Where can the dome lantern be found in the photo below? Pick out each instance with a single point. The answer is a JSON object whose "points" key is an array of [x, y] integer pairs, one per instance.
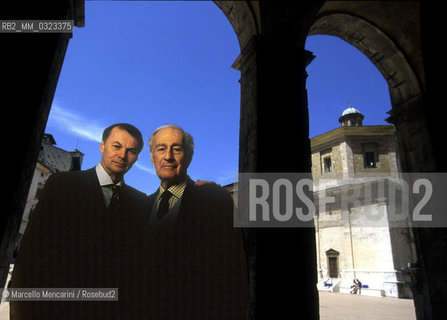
{"points": [[351, 117]]}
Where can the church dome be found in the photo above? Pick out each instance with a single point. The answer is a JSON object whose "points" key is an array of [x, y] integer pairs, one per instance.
{"points": [[351, 117], [350, 110]]}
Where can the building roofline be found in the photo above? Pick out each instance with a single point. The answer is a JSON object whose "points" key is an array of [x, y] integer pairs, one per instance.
{"points": [[337, 133], [38, 163]]}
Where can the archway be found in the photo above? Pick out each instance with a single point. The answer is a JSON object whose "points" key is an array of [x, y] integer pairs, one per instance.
{"points": [[46, 104], [378, 47], [404, 85]]}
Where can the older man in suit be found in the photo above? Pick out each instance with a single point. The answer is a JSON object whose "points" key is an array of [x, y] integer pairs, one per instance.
{"points": [[198, 268], [86, 232]]}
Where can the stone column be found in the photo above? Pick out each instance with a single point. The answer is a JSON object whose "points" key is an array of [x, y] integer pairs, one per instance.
{"points": [[274, 137], [416, 152]]}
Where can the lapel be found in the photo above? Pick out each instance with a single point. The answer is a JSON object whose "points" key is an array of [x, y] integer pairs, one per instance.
{"points": [[93, 190], [151, 205], [188, 202]]}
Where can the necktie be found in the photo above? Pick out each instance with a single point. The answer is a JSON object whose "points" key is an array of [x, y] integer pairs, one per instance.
{"points": [[163, 206], [114, 204]]}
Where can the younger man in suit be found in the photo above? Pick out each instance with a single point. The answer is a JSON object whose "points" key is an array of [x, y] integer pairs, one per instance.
{"points": [[86, 232]]}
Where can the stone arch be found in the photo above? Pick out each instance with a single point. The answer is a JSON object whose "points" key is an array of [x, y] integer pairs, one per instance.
{"points": [[380, 49], [244, 17]]}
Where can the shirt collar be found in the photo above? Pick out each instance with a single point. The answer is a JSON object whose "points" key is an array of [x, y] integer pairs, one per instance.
{"points": [[104, 178], [177, 190]]}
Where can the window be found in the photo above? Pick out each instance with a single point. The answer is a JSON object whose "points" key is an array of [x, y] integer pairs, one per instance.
{"points": [[327, 165], [370, 154], [326, 160], [370, 159]]}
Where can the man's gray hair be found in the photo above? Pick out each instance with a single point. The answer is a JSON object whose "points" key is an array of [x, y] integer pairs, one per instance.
{"points": [[188, 142]]}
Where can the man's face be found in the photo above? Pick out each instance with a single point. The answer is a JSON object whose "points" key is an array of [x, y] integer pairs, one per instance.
{"points": [[119, 153], [168, 156]]}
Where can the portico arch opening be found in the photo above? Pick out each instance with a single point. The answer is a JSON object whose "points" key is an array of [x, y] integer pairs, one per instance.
{"points": [[404, 89], [227, 66]]}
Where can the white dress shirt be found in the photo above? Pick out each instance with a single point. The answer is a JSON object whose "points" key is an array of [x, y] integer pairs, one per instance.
{"points": [[105, 180]]}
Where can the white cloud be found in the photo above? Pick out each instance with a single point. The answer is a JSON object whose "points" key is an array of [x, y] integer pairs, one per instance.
{"points": [[75, 124], [227, 178], [145, 168]]}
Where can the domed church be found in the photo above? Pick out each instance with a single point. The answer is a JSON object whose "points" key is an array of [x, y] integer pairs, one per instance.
{"points": [[346, 161]]}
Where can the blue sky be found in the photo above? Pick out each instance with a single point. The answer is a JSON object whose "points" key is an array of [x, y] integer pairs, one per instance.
{"points": [[341, 75], [152, 63]]}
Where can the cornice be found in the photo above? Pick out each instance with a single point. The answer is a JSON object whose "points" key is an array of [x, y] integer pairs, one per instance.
{"points": [[338, 134]]}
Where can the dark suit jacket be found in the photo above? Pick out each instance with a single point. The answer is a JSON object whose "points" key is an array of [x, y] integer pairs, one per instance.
{"points": [[72, 241], [198, 268]]}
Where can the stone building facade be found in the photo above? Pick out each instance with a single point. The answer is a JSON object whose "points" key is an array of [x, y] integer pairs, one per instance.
{"points": [[346, 163], [51, 159]]}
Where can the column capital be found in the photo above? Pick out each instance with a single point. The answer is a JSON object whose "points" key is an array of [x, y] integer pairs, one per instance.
{"points": [[246, 54], [410, 110]]}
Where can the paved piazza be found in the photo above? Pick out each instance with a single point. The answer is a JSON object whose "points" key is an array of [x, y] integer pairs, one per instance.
{"points": [[341, 306]]}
